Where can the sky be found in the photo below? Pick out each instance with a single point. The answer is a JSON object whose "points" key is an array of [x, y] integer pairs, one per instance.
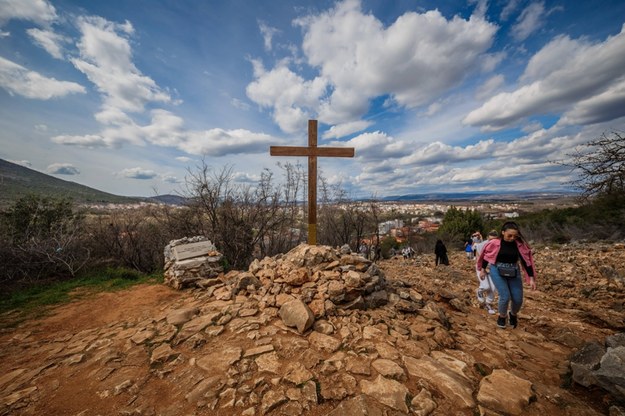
{"points": [[130, 97]]}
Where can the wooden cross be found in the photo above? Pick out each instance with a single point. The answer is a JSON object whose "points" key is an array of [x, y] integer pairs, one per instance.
{"points": [[312, 151]]}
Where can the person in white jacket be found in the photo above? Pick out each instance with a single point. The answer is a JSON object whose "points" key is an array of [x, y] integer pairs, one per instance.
{"points": [[486, 289]]}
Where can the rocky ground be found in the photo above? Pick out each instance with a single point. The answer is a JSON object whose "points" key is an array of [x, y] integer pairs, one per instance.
{"points": [[227, 349]]}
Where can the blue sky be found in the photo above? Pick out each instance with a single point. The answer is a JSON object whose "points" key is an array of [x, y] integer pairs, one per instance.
{"points": [[453, 96]]}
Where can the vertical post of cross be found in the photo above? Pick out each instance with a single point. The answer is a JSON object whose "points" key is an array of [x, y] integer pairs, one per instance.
{"points": [[312, 183]]}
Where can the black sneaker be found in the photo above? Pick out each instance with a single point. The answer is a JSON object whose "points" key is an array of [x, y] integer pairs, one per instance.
{"points": [[513, 320], [501, 322]]}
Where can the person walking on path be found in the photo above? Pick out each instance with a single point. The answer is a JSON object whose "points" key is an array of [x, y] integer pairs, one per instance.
{"points": [[468, 248], [502, 256], [486, 288], [441, 253]]}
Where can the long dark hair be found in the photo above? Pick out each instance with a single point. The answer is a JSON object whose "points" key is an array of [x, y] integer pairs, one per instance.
{"points": [[511, 225]]}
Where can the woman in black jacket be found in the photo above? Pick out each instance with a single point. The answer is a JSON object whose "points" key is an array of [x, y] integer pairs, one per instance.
{"points": [[441, 253]]}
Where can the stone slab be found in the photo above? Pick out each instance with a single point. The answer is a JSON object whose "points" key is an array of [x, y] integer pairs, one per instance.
{"points": [[188, 251]]}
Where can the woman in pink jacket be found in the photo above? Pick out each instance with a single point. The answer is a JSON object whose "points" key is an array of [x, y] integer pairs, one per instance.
{"points": [[502, 256]]}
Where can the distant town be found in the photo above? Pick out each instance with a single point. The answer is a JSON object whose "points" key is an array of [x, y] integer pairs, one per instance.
{"points": [[424, 216]]}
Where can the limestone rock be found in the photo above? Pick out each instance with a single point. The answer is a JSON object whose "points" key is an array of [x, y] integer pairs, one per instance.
{"points": [[388, 392], [181, 316], [505, 393], [324, 342], [297, 314], [458, 389]]}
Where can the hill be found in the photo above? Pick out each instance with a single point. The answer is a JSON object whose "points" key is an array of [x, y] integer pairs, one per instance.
{"points": [[225, 349], [17, 181], [168, 199]]}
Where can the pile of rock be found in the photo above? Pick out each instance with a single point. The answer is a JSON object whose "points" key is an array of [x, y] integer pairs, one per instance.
{"points": [[325, 280], [196, 266]]}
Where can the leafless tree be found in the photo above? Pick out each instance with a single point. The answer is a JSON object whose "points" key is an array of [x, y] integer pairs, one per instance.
{"points": [[243, 219], [334, 225], [290, 231], [601, 165]]}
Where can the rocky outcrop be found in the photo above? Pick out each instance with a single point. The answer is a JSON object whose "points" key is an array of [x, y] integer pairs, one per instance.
{"points": [[602, 364], [285, 338]]}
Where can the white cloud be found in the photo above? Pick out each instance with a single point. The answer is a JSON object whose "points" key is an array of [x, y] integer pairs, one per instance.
{"points": [[240, 104], [25, 163], [244, 177], [37, 11], [62, 169], [377, 146], [345, 129], [184, 159], [481, 7], [165, 129], [16, 79], [532, 127], [48, 40], [89, 140], [521, 164], [564, 72], [170, 179], [268, 33], [105, 58], [510, 8], [414, 60], [489, 87], [219, 142], [293, 99], [609, 105], [531, 19], [138, 173], [440, 153]]}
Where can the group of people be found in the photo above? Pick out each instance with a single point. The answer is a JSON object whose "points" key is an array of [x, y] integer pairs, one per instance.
{"points": [[407, 252], [501, 261], [470, 246]]}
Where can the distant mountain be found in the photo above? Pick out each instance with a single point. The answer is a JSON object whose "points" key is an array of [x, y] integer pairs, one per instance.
{"points": [[480, 196], [17, 181], [168, 199]]}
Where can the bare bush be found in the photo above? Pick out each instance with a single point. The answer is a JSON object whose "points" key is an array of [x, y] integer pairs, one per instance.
{"points": [[241, 220], [42, 238], [132, 238], [341, 219]]}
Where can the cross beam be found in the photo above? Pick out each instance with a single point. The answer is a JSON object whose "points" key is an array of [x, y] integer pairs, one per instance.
{"points": [[312, 152]]}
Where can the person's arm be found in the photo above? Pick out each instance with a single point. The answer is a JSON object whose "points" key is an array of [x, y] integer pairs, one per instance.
{"points": [[530, 273]]}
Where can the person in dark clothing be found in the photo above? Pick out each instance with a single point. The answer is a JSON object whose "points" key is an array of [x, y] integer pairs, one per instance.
{"points": [[502, 256], [441, 253]]}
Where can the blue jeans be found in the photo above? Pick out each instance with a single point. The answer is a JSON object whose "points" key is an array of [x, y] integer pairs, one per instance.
{"points": [[510, 290]]}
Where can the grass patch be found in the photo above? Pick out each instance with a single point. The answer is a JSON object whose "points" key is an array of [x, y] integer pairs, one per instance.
{"points": [[35, 300]]}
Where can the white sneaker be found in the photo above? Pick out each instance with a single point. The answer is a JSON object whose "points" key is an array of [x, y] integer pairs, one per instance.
{"points": [[491, 311]]}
